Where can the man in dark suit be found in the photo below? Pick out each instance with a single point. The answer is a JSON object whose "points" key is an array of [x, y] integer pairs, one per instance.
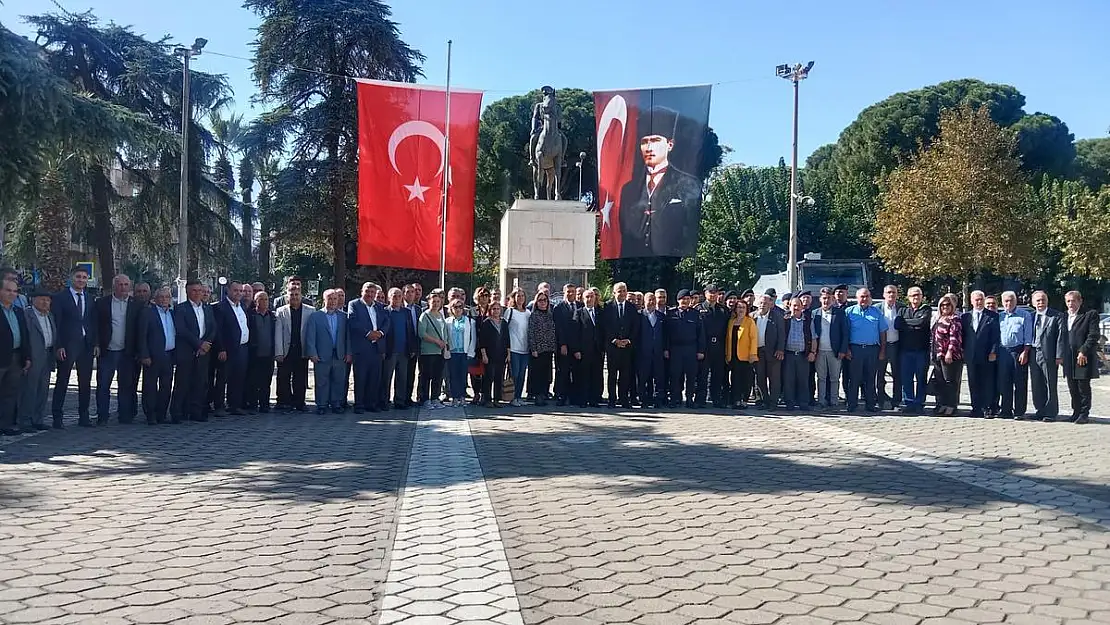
{"points": [[156, 342], [563, 314], [830, 331], [650, 350], [621, 324], [402, 347], [589, 349], [1081, 358], [1050, 345], [231, 347], [195, 325], [116, 316], [660, 206], [15, 357], [981, 345], [771, 349], [368, 324], [76, 345]]}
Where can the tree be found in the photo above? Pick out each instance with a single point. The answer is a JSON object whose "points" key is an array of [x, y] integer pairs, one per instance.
{"points": [[1092, 161], [1080, 228], [114, 66], [959, 207], [304, 54]]}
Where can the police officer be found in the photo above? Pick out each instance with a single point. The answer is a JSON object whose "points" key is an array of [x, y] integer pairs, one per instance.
{"points": [[711, 370], [685, 347]]}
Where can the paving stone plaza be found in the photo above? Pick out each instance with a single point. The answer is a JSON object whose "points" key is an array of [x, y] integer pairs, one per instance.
{"points": [[555, 516]]}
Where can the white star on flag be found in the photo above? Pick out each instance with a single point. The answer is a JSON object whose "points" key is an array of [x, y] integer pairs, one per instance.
{"points": [[605, 211], [416, 190]]}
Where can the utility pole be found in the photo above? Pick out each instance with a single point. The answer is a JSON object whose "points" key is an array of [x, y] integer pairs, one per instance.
{"points": [[186, 55], [794, 74]]}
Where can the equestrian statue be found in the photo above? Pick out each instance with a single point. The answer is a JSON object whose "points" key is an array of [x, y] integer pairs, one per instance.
{"points": [[547, 147]]}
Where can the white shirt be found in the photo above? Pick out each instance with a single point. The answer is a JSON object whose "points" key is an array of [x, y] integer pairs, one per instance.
{"points": [[975, 314], [119, 325], [1071, 319], [198, 310], [372, 311], [47, 333], [761, 330], [518, 330], [241, 317], [80, 304], [890, 312]]}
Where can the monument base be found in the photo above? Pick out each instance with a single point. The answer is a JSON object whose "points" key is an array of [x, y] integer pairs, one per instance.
{"points": [[546, 241]]}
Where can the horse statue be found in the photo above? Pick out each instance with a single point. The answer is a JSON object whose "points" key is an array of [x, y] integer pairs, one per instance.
{"points": [[548, 148]]}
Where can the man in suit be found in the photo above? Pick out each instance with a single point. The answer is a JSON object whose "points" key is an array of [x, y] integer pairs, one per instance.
{"points": [[232, 351], [1081, 358], [41, 335], [830, 331], [1050, 345], [771, 350], [650, 358], [328, 347], [620, 322], [15, 357], [260, 354], [411, 294], [980, 354], [402, 347], [141, 295], [116, 314], [711, 370], [589, 349], [75, 346], [661, 205], [290, 334], [195, 334], [369, 324], [563, 314], [892, 310], [156, 346]]}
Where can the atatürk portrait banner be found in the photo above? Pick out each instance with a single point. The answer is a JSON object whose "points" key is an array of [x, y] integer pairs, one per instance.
{"points": [[649, 144]]}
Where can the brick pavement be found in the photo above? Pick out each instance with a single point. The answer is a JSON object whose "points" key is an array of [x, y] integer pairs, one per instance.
{"points": [[558, 517]]}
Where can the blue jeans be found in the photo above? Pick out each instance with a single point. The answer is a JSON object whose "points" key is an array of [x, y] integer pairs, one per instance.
{"points": [[915, 366], [518, 365], [456, 374]]}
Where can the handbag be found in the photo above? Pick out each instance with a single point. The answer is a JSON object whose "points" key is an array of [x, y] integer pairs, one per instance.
{"points": [[446, 350]]}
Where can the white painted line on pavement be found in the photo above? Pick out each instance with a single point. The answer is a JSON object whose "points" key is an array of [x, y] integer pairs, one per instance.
{"points": [[448, 563]]}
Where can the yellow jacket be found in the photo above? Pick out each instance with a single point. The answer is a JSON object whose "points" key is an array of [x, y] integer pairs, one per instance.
{"points": [[745, 345]]}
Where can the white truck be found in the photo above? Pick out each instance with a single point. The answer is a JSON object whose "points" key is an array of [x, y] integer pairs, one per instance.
{"points": [[814, 273]]}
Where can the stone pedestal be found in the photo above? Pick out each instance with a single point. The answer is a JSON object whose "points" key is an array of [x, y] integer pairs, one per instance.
{"points": [[546, 241]]}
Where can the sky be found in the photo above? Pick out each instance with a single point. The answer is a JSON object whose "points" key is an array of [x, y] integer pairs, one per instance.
{"points": [[864, 50]]}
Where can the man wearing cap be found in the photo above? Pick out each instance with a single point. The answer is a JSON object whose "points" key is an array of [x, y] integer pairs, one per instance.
{"points": [[866, 347], [661, 205], [685, 336], [749, 297], [41, 332], [711, 370], [840, 301]]}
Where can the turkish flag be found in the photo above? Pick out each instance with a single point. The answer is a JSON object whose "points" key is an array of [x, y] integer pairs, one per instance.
{"points": [[617, 145], [401, 140]]}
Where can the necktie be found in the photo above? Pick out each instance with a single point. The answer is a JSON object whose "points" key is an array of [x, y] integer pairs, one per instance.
{"points": [[81, 304], [620, 310], [592, 320], [653, 180]]}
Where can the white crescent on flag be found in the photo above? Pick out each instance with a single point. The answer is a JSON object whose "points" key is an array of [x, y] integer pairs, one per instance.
{"points": [[616, 110], [414, 128]]}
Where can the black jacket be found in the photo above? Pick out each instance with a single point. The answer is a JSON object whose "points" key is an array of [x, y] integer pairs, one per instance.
{"points": [[619, 327], [980, 344], [1082, 339], [914, 327], [590, 336], [495, 343], [664, 223], [7, 339]]}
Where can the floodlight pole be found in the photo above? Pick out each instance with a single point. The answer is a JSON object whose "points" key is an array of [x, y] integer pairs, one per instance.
{"points": [[795, 75]]}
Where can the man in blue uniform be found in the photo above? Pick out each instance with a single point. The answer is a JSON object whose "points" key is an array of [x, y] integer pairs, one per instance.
{"points": [[685, 346], [711, 370]]}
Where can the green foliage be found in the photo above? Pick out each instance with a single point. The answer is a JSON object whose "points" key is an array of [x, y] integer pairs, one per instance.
{"points": [[1045, 145], [1080, 228], [314, 113], [960, 206], [1092, 161]]}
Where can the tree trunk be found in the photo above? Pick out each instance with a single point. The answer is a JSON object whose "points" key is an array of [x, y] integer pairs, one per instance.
{"points": [[53, 225], [338, 214], [248, 226], [102, 225]]}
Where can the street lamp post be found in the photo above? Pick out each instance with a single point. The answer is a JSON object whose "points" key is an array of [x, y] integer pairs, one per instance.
{"points": [[183, 226], [794, 74]]}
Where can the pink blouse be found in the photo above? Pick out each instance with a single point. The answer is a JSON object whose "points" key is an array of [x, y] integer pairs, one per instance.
{"points": [[948, 338]]}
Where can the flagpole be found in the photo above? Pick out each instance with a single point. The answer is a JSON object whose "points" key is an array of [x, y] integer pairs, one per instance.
{"points": [[446, 176]]}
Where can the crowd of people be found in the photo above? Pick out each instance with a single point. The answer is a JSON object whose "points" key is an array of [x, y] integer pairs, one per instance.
{"points": [[728, 350]]}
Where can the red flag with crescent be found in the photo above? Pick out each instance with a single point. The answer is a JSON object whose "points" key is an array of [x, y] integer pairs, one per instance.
{"points": [[616, 153], [402, 136]]}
